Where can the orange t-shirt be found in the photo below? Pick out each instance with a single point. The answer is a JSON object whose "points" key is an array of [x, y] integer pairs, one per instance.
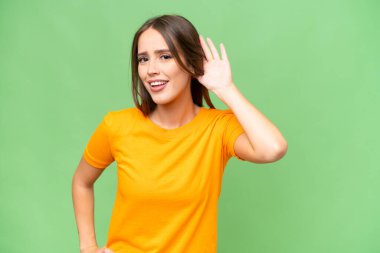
{"points": [[169, 180]]}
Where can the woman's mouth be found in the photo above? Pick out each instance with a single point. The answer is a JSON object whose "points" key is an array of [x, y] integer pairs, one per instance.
{"points": [[157, 85]]}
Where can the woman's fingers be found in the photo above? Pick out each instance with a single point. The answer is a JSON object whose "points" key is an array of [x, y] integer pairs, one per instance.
{"points": [[215, 53], [224, 53], [105, 250], [205, 49]]}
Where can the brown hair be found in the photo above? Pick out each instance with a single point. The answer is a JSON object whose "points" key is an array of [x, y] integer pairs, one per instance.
{"points": [[181, 37]]}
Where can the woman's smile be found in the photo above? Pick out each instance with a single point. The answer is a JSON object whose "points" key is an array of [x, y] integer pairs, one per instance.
{"points": [[158, 86]]}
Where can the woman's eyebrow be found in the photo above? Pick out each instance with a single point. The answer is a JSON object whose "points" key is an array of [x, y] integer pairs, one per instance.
{"points": [[156, 51]]}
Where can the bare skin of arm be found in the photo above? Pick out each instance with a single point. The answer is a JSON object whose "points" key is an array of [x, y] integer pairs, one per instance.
{"points": [[83, 200]]}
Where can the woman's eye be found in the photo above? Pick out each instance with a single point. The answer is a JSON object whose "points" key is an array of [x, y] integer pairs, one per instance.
{"points": [[166, 56], [144, 59], [141, 59]]}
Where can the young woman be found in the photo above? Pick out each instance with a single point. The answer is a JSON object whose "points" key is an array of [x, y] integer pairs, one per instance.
{"points": [[170, 150]]}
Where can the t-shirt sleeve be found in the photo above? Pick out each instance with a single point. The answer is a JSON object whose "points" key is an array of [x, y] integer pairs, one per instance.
{"points": [[98, 152], [231, 131]]}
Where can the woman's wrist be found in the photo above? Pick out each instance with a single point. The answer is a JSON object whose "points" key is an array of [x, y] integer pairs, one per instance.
{"points": [[87, 238], [84, 249]]}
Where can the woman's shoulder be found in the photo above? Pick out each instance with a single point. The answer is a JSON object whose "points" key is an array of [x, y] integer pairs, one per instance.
{"points": [[123, 113], [215, 112], [123, 118]]}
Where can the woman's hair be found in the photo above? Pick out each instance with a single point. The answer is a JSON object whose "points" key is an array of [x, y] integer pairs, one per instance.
{"points": [[182, 38]]}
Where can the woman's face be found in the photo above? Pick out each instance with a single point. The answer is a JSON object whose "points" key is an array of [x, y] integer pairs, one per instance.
{"points": [[157, 66]]}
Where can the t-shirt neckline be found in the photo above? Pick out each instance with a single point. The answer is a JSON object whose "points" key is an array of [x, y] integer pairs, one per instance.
{"points": [[175, 132]]}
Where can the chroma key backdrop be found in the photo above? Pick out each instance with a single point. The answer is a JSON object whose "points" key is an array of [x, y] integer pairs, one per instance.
{"points": [[311, 67]]}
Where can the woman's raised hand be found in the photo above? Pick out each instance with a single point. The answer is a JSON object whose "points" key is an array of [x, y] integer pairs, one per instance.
{"points": [[96, 249], [217, 71]]}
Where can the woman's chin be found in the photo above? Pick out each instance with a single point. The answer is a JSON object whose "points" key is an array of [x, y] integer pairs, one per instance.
{"points": [[161, 101]]}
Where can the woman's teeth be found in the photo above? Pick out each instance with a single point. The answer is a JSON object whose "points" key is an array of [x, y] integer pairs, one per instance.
{"points": [[157, 83]]}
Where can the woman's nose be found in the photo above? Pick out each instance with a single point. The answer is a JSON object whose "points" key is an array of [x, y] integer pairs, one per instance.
{"points": [[152, 67]]}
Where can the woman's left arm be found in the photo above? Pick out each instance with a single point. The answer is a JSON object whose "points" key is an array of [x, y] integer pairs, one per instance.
{"points": [[262, 142]]}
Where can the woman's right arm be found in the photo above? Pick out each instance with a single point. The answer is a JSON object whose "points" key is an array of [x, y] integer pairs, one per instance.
{"points": [[83, 201]]}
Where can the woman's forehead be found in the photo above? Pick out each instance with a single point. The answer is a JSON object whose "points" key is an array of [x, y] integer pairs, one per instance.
{"points": [[151, 40]]}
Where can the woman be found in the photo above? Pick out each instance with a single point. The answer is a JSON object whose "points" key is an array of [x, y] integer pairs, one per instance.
{"points": [[170, 150]]}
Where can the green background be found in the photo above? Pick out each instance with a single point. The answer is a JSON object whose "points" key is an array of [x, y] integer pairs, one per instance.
{"points": [[312, 67]]}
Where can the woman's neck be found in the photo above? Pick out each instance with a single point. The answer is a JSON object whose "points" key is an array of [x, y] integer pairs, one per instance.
{"points": [[170, 116]]}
